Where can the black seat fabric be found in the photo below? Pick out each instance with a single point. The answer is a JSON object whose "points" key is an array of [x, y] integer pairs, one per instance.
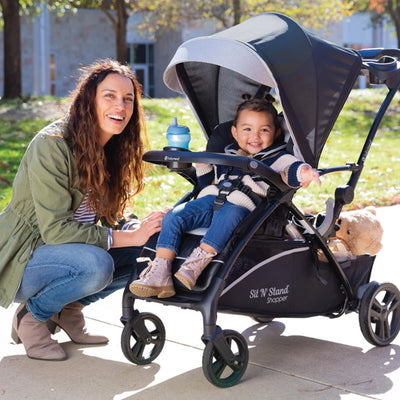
{"points": [[220, 137]]}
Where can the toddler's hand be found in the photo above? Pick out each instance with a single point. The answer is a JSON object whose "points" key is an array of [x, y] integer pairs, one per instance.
{"points": [[308, 175]]}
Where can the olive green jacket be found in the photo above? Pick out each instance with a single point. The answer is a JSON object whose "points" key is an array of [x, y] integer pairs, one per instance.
{"points": [[45, 195]]}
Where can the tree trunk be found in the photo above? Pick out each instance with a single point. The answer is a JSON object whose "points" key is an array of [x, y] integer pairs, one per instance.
{"points": [[12, 49], [397, 25], [237, 12], [394, 12], [122, 47]]}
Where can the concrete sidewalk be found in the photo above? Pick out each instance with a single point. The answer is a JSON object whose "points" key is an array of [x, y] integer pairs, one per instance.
{"points": [[310, 358]]}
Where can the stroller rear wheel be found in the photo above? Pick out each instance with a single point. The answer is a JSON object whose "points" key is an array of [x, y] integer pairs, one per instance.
{"points": [[379, 315], [143, 338], [226, 371]]}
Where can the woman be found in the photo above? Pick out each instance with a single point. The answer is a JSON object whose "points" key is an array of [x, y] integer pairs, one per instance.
{"points": [[82, 169]]}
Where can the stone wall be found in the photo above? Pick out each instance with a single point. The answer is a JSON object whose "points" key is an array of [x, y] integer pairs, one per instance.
{"points": [[75, 40]]}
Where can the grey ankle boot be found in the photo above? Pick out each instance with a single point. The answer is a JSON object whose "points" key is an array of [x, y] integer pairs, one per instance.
{"points": [[194, 265], [35, 337], [155, 280], [72, 321]]}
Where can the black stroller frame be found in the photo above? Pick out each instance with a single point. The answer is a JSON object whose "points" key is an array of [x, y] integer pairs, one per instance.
{"points": [[294, 280]]}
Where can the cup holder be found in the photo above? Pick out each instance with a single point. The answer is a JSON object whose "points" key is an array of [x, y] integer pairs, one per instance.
{"points": [[174, 163]]}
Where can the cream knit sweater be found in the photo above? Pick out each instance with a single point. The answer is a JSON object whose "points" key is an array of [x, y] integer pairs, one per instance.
{"points": [[281, 162]]}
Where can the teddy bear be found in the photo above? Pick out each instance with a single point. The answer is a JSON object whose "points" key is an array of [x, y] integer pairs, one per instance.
{"points": [[358, 232]]}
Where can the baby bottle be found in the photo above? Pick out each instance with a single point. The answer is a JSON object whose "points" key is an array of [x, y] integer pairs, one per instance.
{"points": [[178, 136]]}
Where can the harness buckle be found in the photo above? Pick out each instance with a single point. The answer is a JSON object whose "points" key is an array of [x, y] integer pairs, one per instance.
{"points": [[219, 201], [225, 188]]}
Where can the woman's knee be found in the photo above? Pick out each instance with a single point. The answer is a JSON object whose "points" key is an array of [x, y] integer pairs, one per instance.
{"points": [[98, 266]]}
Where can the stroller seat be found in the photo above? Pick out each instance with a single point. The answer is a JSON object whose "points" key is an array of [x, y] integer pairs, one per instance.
{"points": [[220, 137]]}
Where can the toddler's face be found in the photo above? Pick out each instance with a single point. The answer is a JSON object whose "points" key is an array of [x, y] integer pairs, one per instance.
{"points": [[254, 131]]}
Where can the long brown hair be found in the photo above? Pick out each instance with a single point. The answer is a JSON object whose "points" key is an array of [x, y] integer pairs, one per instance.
{"points": [[114, 174]]}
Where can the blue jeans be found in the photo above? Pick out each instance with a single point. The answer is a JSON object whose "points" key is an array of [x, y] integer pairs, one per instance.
{"points": [[199, 214], [57, 275]]}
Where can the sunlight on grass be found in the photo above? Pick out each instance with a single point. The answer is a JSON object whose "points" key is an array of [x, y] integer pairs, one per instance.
{"points": [[378, 185]]}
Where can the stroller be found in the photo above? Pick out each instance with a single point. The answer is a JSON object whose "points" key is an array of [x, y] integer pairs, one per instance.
{"points": [[265, 271]]}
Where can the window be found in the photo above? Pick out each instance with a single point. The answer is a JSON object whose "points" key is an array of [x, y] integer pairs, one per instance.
{"points": [[141, 58]]}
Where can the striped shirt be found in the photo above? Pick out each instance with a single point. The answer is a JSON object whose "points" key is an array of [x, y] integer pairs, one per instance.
{"points": [[82, 214]]}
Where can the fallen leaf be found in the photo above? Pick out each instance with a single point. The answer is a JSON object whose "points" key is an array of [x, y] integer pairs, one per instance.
{"points": [[4, 181]]}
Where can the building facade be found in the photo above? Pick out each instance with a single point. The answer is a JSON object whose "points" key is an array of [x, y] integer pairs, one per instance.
{"points": [[55, 47]]}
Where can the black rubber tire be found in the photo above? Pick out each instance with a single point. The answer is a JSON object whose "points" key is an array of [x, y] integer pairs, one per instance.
{"points": [[143, 349], [379, 313], [216, 369]]}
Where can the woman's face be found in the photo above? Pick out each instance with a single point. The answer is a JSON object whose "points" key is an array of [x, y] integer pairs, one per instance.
{"points": [[254, 131], [114, 105]]}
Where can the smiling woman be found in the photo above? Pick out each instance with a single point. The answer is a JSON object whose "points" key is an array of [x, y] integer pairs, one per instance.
{"points": [[63, 240], [114, 105]]}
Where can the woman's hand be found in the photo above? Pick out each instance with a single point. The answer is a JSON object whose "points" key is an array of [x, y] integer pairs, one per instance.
{"points": [[309, 174], [150, 224], [140, 233]]}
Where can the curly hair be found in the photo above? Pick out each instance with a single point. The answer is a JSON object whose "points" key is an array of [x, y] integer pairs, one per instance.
{"points": [[113, 174]]}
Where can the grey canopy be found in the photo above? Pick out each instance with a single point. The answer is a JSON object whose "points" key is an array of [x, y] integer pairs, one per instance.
{"points": [[312, 77]]}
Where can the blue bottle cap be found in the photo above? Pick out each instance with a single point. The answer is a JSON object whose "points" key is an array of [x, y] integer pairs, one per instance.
{"points": [[174, 128]]}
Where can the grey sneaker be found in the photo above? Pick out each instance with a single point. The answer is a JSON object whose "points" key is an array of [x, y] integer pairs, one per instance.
{"points": [[155, 280], [191, 269]]}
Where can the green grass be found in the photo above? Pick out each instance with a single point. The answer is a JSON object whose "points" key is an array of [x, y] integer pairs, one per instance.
{"points": [[14, 137], [379, 184]]}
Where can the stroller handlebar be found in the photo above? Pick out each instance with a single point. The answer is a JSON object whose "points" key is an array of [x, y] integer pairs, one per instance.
{"points": [[349, 167], [180, 159], [377, 52], [382, 66]]}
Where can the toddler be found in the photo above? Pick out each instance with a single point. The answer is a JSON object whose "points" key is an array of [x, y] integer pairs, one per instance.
{"points": [[227, 195]]}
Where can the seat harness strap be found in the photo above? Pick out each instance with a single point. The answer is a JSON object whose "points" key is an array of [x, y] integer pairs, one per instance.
{"points": [[227, 186]]}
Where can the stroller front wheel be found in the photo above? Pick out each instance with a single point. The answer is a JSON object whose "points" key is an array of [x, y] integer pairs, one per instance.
{"points": [[143, 338], [225, 367], [379, 314]]}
